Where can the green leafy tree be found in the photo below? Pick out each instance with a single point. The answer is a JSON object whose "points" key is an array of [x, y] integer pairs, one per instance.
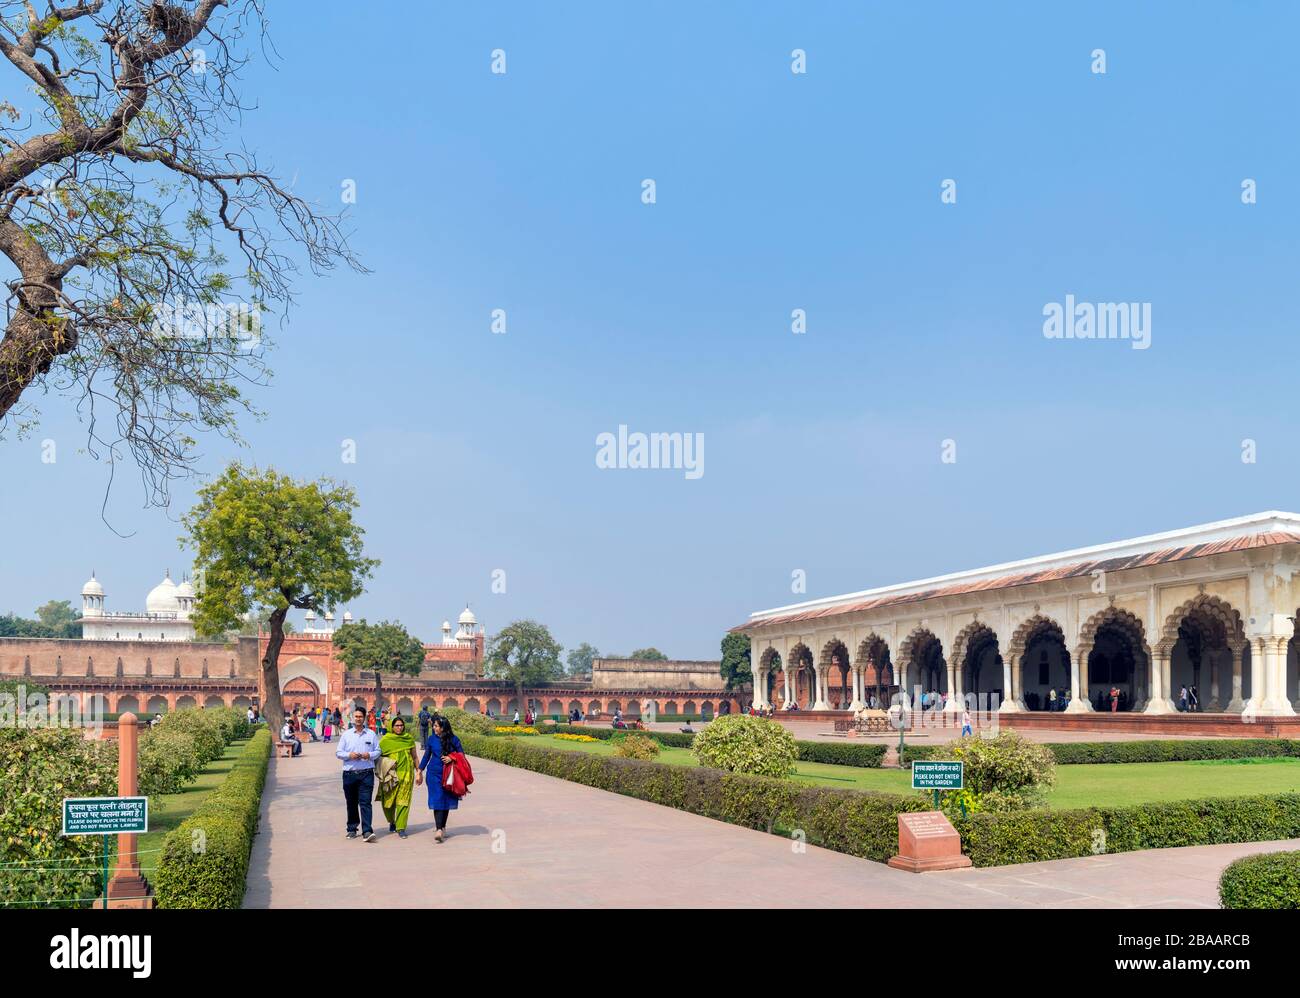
{"points": [[579, 659], [649, 655], [383, 647], [56, 619], [525, 654], [141, 237], [61, 619], [735, 667], [266, 542]]}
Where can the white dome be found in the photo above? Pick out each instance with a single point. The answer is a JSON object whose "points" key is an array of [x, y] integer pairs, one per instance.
{"points": [[162, 597], [186, 590], [92, 588], [311, 615], [347, 616], [446, 625], [467, 617]]}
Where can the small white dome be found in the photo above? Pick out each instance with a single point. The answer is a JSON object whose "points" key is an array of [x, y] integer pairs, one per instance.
{"points": [[162, 597], [446, 625], [467, 617], [311, 614], [92, 587], [186, 590], [347, 616]]}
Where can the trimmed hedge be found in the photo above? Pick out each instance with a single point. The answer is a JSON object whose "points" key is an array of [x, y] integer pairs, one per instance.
{"points": [[864, 755], [205, 858], [1267, 880], [865, 824], [848, 821], [1155, 750], [1031, 836]]}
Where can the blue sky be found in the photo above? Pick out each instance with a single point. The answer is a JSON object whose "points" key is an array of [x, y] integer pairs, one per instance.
{"points": [[775, 191]]}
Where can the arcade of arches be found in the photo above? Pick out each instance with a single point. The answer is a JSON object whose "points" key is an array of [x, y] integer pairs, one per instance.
{"points": [[146, 677], [1210, 610]]}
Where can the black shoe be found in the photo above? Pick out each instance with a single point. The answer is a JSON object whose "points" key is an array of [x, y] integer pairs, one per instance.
{"points": [[352, 835], [392, 827], [369, 836], [402, 834]]}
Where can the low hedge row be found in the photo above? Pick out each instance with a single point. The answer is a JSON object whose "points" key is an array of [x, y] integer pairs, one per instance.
{"points": [[1268, 880], [669, 739], [1041, 834], [864, 755], [848, 821], [205, 858], [1155, 750], [866, 825]]}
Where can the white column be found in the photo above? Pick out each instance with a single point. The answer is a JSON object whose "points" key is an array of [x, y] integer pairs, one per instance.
{"points": [[858, 699], [820, 702], [1236, 705], [1158, 703], [1213, 703], [1167, 680], [954, 699], [1258, 684], [1276, 702], [1079, 702], [785, 675], [1010, 701]]}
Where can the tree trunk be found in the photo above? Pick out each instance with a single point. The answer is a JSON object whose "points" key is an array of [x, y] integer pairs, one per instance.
{"points": [[273, 704], [379, 693]]}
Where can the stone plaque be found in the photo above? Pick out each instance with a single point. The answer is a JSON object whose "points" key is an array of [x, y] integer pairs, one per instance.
{"points": [[927, 841]]}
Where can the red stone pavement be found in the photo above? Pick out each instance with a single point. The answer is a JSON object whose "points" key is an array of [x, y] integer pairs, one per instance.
{"points": [[526, 840]]}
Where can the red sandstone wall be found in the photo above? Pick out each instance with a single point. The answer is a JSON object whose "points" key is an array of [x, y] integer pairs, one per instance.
{"points": [[100, 658]]}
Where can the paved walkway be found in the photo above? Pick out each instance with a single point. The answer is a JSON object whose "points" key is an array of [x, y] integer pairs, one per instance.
{"points": [[524, 840]]}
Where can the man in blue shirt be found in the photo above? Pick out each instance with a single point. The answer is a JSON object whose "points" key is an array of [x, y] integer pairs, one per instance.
{"points": [[359, 748]]}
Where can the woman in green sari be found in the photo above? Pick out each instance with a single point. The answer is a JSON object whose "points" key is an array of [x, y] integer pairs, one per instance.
{"points": [[395, 794]]}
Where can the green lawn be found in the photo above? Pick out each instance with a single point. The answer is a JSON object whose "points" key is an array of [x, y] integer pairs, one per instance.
{"points": [[168, 811], [1111, 785]]}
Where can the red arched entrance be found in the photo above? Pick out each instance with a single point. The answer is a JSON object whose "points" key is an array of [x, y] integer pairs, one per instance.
{"points": [[301, 692]]}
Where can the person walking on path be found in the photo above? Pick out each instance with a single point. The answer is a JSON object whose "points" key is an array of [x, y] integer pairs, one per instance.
{"points": [[437, 754], [359, 748], [1114, 699], [1193, 701], [398, 748], [965, 722], [1182, 698], [425, 718]]}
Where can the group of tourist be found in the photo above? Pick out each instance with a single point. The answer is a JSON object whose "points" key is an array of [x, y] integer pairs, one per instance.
{"points": [[385, 766]]}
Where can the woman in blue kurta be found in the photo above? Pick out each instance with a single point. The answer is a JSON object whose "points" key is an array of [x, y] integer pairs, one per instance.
{"points": [[445, 742]]}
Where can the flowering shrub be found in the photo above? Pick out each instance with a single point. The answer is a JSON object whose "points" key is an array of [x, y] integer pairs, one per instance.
{"points": [[168, 761], [740, 743], [576, 738], [1006, 773], [465, 722], [510, 729], [38, 768], [636, 747]]}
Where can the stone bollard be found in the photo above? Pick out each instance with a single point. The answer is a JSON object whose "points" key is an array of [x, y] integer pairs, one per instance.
{"points": [[128, 888]]}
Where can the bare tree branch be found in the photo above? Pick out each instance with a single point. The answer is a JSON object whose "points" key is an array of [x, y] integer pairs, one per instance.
{"points": [[120, 200]]}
